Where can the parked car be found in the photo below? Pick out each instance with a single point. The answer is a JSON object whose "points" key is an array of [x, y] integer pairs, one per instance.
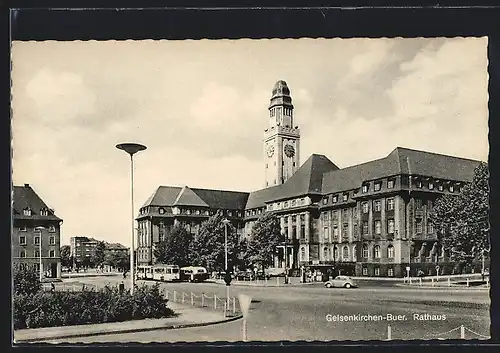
{"points": [[275, 272], [341, 282], [244, 276]]}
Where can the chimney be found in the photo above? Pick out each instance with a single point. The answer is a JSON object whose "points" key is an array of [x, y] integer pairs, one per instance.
{"points": [[26, 185]]}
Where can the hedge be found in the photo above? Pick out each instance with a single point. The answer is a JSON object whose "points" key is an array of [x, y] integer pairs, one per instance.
{"points": [[49, 309]]}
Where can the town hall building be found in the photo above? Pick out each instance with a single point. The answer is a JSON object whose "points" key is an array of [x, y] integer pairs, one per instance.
{"points": [[369, 219]]}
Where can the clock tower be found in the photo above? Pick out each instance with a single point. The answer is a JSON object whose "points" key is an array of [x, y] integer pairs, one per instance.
{"points": [[281, 138]]}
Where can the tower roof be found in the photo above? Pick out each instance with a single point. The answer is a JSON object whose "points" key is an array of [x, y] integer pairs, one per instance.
{"points": [[281, 95]]}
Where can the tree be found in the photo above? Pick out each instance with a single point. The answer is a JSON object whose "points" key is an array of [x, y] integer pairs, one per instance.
{"points": [[208, 247], [462, 220], [175, 249], [65, 256], [26, 280], [99, 254], [264, 238], [119, 260]]}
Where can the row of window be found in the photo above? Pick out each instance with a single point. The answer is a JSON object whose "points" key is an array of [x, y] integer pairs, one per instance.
{"points": [[36, 240], [286, 204], [254, 212], [36, 253], [376, 271], [29, 212], [377, 251], [51, 229], [430, 185]]}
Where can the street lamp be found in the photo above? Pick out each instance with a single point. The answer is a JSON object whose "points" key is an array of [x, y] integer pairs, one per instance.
{"points": [[226, 222], [131, 149], [40, 228]]}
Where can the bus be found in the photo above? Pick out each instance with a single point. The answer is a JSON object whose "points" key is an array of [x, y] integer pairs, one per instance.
{"points": [[166, 273], [145, 272], [194, 274]]}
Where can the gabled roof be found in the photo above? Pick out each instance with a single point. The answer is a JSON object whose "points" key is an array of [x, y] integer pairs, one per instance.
{"points": [[163, 196], [25, 197], [306, 180], [187, 197], [400, 161]]}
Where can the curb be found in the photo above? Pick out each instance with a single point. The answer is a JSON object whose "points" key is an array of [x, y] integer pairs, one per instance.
{"points": [[133, 330], [454, 287], [266, 285]]}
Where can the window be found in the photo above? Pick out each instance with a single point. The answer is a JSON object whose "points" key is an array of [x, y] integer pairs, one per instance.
{"points": [[294, 202], [197, 212], [325, 200], [253, 212], [365, 228], [419, 184], [440, 188], [377, 186], [161, 211], [22, 253], [326, 254], [451, 188], [419, 225], [390, 272], [364, 207], [52, 229], [345, 197], [418, 203], [390, 204], [390, 252], [336, 232], [345, 231], [325, 234], [377, 271], [376, 252], [22, 240], [377, 205], [430, 227], [37, 253], [364, 252], [364, 188], [334, 199], [285, 204], [27, 212], [22, 229], [302, 201], [52, 240], [431, 186], [378, 227], [44, 212], [345, 253], [188, 212], [52, 253], [37, 240], [365, 271], [302, 254], [346, 213], [355, 230], [390, 226], [390, 183]]}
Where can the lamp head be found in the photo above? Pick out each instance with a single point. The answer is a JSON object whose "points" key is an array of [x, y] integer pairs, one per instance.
{"points": [[131, 148]]}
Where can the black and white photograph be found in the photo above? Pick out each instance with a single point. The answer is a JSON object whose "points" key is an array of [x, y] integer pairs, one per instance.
{"points": [[328, 189]]}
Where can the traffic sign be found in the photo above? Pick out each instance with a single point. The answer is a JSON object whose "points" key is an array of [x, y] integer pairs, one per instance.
{"points": [[245, 302], [437, 267], [408, 268]]}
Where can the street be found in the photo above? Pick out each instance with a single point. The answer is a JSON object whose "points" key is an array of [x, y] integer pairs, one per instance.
{"points": [[306, 313]]}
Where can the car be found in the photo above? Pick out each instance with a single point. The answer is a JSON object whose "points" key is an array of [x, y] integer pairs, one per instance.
{"points": [[341, 282], [275, 272]]}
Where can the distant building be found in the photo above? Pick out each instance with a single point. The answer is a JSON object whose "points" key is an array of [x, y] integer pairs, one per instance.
{"points": [[82, 248], [36, 233], [85, 248], [369, 219]]}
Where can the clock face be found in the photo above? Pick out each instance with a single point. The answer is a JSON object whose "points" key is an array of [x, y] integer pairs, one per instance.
{"points": [[289, 151], [270, 150]]}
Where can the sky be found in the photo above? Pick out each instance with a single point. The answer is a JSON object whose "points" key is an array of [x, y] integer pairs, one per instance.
{"points": [[201, 109]]}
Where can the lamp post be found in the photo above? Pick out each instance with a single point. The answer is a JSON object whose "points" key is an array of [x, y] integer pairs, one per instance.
{"points": [[226, 222], [40, 228], [131, 149]]}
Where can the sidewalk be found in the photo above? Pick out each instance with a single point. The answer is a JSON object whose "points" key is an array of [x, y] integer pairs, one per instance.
{"points": [[90, 274], [188, 316], [262, 283]]}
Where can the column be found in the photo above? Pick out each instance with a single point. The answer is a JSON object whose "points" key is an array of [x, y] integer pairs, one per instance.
{"points": [[308, 221], [340, 220], [290, 233], [282, 225], [298, 226], [58, 273], [383, 218]]}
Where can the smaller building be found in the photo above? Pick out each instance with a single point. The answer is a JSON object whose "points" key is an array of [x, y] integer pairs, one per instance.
{"points": [[82, 248], [36, 233]]}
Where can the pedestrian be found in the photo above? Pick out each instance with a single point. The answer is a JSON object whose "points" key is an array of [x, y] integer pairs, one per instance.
{"points": [[52, 287]]}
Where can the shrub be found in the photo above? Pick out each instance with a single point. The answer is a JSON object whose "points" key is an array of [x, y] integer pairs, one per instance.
{"points": [[45, 309], [26, 281]]}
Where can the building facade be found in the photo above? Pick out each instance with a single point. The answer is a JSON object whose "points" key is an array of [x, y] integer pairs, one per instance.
{"points": [[82, 248], [36, 233], [369, 219]]}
